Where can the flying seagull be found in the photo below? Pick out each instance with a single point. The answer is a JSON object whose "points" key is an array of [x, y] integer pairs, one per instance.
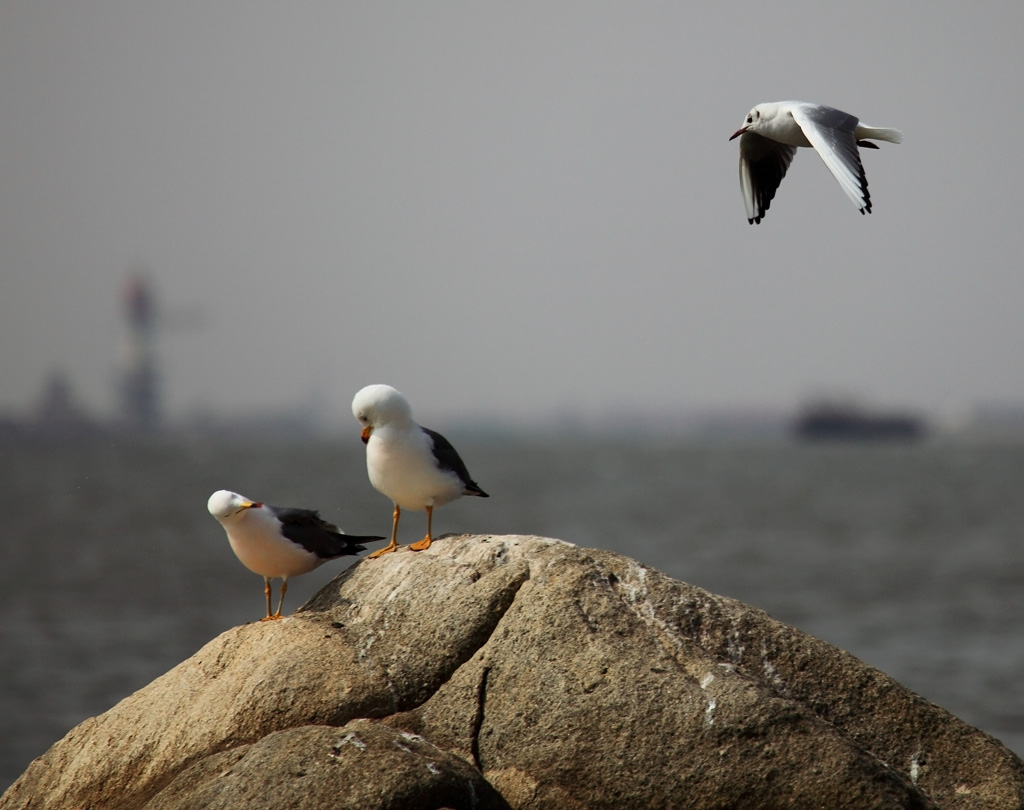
{"points": [[770, 134], [279, 542], [417, 468]]}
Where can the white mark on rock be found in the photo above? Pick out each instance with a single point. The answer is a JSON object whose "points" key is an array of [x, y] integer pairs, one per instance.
{"points": [[735, 648], [364, 648], [638, 594], [433, 768], [709, 710], [917, 762], [709, 713], [768, 668], [348, 739]]}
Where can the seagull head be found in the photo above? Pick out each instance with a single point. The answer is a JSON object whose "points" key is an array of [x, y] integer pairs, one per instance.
{"points": [[378, 405], [755, 119], [225, 505]]}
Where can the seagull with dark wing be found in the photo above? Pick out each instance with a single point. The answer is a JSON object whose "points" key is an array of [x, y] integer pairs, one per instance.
{"points": [[280, 542], [769, 138], [417, 468]]}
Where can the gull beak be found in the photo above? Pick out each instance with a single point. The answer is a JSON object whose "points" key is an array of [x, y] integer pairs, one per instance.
{"points": [[365, 434], [251, 504], [737, 133]]}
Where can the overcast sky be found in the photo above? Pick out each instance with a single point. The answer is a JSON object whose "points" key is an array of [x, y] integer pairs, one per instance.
{"points": [[515, 211]]}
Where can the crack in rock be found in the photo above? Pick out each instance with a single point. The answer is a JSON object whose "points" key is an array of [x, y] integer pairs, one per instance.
{"points": [[478, 719]]}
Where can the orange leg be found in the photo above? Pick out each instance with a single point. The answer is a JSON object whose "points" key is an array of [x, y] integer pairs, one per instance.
{"points": [[270, 617], [394, 536], [280, 604], [273, 616], [424, 544]]}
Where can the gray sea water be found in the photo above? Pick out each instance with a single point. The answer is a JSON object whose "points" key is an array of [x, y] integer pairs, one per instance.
{"points": [[909, 556]]}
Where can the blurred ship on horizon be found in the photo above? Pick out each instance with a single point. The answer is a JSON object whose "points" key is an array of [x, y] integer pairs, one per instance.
{"points": [[832, 420], [139, 390]]}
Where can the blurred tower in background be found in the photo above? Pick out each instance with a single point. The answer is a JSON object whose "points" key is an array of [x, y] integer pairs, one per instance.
{"points": [[139, 380]]}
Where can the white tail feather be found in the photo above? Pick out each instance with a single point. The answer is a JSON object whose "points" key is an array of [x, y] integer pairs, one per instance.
{"points": [[879, 134]]}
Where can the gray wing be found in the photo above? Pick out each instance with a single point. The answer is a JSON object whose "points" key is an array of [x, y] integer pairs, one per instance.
{"points": [[448, 460], [832, 134], [306, 528], [763, 164]]}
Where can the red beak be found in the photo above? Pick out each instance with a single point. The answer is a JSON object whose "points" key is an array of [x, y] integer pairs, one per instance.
{"points": [[737, 133]]}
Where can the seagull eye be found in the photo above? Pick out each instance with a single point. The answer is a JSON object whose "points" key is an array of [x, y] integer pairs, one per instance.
{"points": [[750, 119]]}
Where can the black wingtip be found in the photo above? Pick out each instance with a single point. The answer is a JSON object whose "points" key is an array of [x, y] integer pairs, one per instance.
{"points": [[367, 538]]}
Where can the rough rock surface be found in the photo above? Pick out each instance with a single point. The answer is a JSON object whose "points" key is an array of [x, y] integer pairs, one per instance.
{"points": [[521, 672]]}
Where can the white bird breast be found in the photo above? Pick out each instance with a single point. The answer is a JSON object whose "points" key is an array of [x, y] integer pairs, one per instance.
{"points": [[258, 544], [402, 466]]}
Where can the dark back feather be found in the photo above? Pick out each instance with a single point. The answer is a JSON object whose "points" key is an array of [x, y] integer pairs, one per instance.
{"points": [[448, 459], [306, 528]]}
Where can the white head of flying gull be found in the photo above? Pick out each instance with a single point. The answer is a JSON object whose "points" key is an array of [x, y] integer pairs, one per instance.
{"points": [[277, 542], [415, 467], [770, 134]]}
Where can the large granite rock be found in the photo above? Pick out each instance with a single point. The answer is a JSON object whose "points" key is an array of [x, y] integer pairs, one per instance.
{"points": [[496, 672]]}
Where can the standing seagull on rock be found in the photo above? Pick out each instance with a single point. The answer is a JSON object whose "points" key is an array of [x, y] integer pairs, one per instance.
{"points": [[279, 542], [771, 133], [415, 467]]}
